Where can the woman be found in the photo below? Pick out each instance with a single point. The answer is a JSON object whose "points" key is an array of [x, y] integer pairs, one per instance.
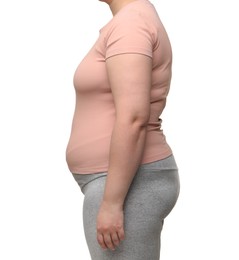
{"points": [[117, 151]]}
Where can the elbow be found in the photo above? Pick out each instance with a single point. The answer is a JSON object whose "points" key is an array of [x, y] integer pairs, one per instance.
{"points": [[140, 121], [134, 120]]}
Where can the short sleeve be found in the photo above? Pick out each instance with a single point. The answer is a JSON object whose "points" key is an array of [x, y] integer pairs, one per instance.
{"points": [[130, 34]]}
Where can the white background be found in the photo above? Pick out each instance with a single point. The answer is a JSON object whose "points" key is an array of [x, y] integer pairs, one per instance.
{"points": [[41, 43]]}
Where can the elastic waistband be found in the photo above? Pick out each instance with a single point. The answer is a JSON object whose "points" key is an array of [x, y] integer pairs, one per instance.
{"points": [[168, 163]]}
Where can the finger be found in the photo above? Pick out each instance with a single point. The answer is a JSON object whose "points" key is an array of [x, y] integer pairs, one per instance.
{"points": [[115, 239], [121, 234], [101, 241], [108, 241]]}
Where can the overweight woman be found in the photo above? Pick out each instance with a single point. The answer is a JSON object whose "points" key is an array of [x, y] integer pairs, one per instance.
{"points": [[117, 151]]}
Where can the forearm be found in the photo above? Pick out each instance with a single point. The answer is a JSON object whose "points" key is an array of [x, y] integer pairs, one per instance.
{"points": [[127, 145]]}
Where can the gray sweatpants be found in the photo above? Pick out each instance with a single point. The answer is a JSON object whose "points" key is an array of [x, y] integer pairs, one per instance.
{"points": [[152, 195]]}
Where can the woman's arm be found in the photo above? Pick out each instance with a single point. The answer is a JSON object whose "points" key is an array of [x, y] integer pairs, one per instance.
{"points": [[130, 81]]}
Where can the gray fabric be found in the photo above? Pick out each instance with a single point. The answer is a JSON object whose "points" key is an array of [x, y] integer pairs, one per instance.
{"points": [[151, 197]]}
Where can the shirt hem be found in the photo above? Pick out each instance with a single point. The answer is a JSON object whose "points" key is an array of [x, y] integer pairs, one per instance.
{"points": [[104, 169]]}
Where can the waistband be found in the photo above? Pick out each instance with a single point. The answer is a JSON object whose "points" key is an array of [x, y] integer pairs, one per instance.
{"points": [[168, 163]]}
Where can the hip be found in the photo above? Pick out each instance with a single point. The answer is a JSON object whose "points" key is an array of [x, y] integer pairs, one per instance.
{"points": [[159, 170]]}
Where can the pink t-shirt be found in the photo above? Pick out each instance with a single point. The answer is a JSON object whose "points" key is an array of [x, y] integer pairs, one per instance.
{"points": [[136, 28]]}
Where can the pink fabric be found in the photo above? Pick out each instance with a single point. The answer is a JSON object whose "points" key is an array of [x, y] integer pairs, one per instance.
{"points": [[136, 28]]}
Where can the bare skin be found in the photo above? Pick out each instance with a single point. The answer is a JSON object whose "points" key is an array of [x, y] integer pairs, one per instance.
{"points": [[131, 93], [116, 5]]}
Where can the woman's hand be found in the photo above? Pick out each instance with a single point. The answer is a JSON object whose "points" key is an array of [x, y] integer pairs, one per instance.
{"points": [[110, 225]]}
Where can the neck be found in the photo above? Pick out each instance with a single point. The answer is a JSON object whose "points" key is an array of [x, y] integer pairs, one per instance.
{"points": [[116, 5]]}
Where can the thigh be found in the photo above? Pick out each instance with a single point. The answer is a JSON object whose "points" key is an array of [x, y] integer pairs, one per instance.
{"points": [[151, 197]]}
